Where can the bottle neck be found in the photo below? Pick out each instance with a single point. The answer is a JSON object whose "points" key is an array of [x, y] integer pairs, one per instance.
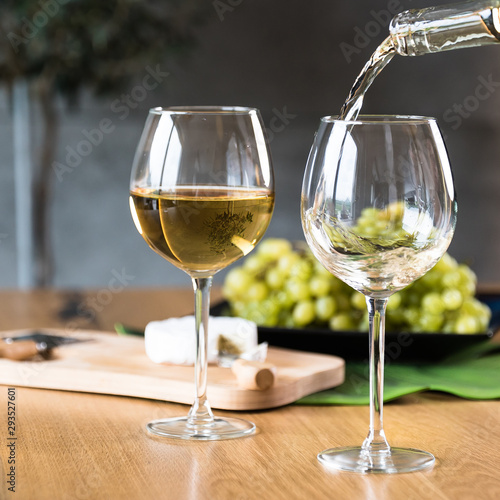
{"points": [[436, 29]]}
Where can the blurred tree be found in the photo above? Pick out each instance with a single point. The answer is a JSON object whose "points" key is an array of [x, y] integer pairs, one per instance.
{"points": [[62, 46]]}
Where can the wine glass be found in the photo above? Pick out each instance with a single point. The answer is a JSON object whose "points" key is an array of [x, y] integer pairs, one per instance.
{"points": [[378, 211], [202, 196]]}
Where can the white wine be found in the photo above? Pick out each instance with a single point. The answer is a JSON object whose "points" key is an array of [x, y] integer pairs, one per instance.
{"points": [[375, 266], [377, 62], [202, 229], [425, 31]]}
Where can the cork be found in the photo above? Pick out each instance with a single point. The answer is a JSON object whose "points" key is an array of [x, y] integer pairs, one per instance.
{"points": [[254, 375]]}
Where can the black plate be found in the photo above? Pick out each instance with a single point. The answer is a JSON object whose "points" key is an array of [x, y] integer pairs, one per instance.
{"points": [[352, 345]]}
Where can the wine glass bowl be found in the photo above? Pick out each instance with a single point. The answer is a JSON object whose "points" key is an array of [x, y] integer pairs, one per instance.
{"points": [[202, 196], [378, 211]]}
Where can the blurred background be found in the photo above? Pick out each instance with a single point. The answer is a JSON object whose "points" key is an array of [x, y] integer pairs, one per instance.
{"points": [[294, 60]]}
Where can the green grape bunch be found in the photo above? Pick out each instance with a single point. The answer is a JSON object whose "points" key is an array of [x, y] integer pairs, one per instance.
{"points": [[284, 285], [375, 230]]}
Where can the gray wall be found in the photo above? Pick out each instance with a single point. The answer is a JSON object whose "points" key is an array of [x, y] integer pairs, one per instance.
{"points": [[280, 56]]}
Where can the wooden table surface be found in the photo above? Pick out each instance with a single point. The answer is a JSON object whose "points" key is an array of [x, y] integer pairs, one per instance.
{"points": [[84, 446]]}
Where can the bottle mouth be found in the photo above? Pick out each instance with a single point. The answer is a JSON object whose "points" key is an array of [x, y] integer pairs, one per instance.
{"points": [[435, 29]]}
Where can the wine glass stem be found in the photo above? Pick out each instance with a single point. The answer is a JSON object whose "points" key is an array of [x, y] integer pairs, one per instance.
{"points": [[201, 413], [376, 442]]}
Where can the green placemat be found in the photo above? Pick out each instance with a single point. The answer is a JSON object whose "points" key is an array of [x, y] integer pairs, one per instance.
{"points": [[473, 374]]}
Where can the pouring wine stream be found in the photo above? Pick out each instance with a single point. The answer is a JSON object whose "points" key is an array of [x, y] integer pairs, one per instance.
{"points": [[425, 31]]}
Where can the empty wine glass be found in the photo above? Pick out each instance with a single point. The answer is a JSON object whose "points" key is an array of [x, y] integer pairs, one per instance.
{"points": [[378, 211], [202, 196]]}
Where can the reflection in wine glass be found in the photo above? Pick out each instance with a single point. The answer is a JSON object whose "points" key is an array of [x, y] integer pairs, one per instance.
{"points": [[378, 211], [202, 196]]}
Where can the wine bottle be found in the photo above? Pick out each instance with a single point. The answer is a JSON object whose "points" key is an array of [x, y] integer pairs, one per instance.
{"points": [[435, 29]]}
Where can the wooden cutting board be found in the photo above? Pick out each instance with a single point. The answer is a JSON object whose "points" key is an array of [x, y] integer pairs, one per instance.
{"points": [[113, 364]]}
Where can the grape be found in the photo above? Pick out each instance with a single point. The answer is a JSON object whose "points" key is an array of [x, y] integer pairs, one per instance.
{"points": [[394, 212], [466, 324], [468, 289], [321, 271], [325, 308], [430, 322], [254, 264], [364, 323], [275, 278], [303, 313], [301, 270], [466, 274], [298, 290], [472, 306], [342, 321], [452, 299], [319, 286], [252, 312], [358, 301], [368, 215], [236, 283], [257, 291], [284, 300], [238, 307], [451, 279], [271, 248], [281, 285], [468, 280], [433, 303], [432, 280], [394, 302], [412, 316], [368, 230], [286, 261], [483, 317], [446, 264], [270, 310]]}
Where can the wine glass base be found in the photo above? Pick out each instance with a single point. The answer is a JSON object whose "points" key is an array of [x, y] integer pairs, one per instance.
{"points": [[219, 428], [355, 459]]}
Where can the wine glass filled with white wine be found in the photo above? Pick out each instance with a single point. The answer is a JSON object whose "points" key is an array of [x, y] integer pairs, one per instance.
{"points": [[202, 196], [378, 211]]}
